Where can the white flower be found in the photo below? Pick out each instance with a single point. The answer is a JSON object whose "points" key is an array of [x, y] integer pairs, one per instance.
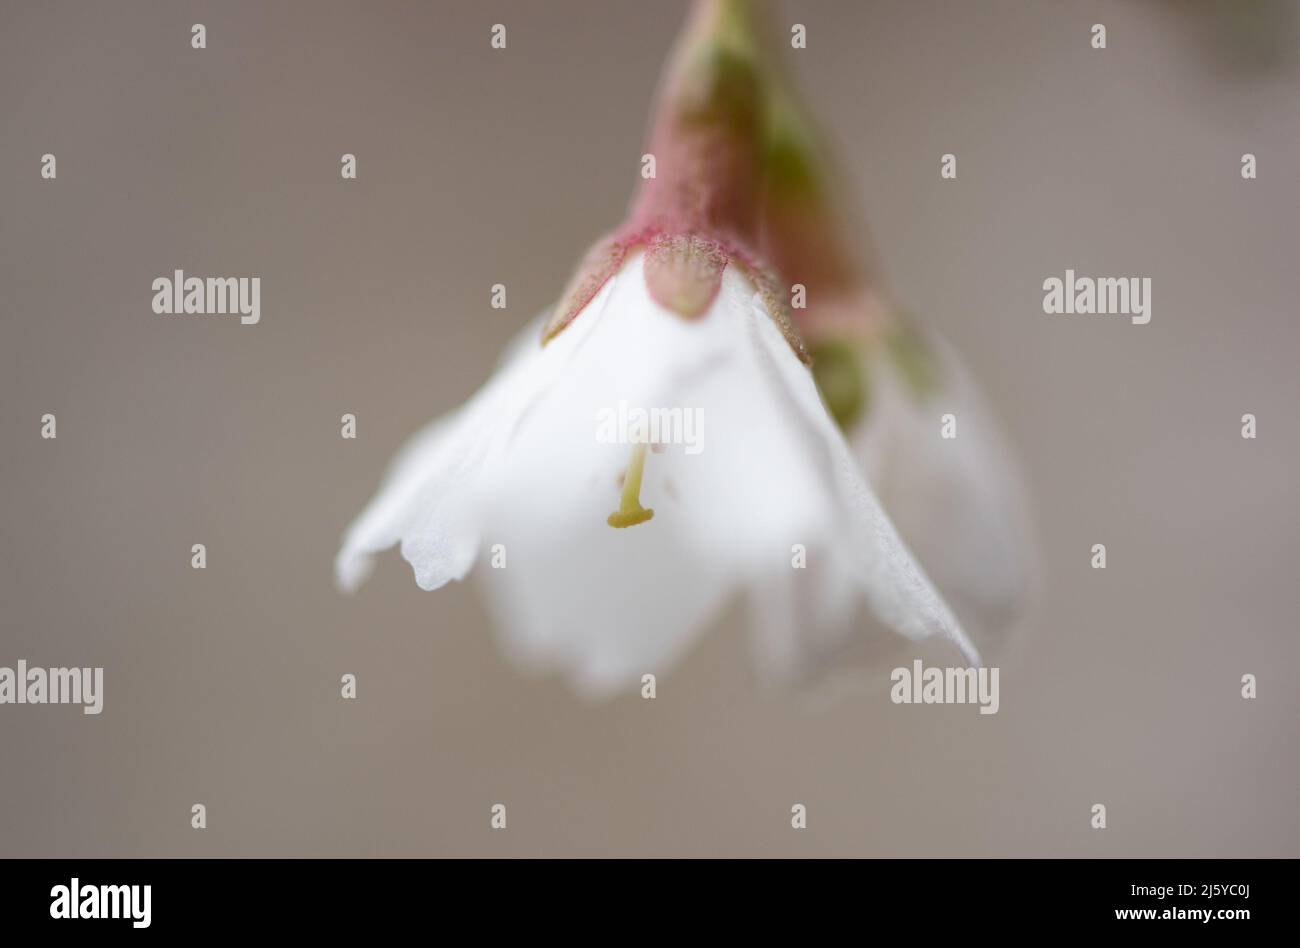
{"points": [[519, 469]]}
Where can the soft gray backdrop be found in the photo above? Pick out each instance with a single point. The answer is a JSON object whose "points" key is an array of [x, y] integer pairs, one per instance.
{"points": [[478, 167]]}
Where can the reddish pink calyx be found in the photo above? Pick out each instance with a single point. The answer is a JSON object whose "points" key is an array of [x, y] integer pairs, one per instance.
{"points": [[698, 212], [601, 262], [684, 273]]}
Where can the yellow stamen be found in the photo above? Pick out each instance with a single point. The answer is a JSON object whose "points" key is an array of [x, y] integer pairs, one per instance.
{"points": [[630, 512]]}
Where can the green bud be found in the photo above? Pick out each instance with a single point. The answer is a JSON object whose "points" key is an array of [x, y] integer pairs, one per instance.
{"points": [[908, 351], [842, 379]]}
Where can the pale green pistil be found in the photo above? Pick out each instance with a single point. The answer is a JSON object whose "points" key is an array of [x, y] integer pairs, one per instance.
{"points": [[630, 512]]}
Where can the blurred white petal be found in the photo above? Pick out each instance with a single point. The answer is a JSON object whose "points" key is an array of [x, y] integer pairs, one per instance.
{"points": [[438, 468], [895, 587], [960, 503]]}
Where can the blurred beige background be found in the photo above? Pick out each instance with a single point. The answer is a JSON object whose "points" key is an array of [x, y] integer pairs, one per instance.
{"points": [[478, 167]]}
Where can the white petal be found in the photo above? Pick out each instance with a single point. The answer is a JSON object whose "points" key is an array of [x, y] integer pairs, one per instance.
{"points": [[430, 494], [897, 590], [812, 628], [959, 502]]}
